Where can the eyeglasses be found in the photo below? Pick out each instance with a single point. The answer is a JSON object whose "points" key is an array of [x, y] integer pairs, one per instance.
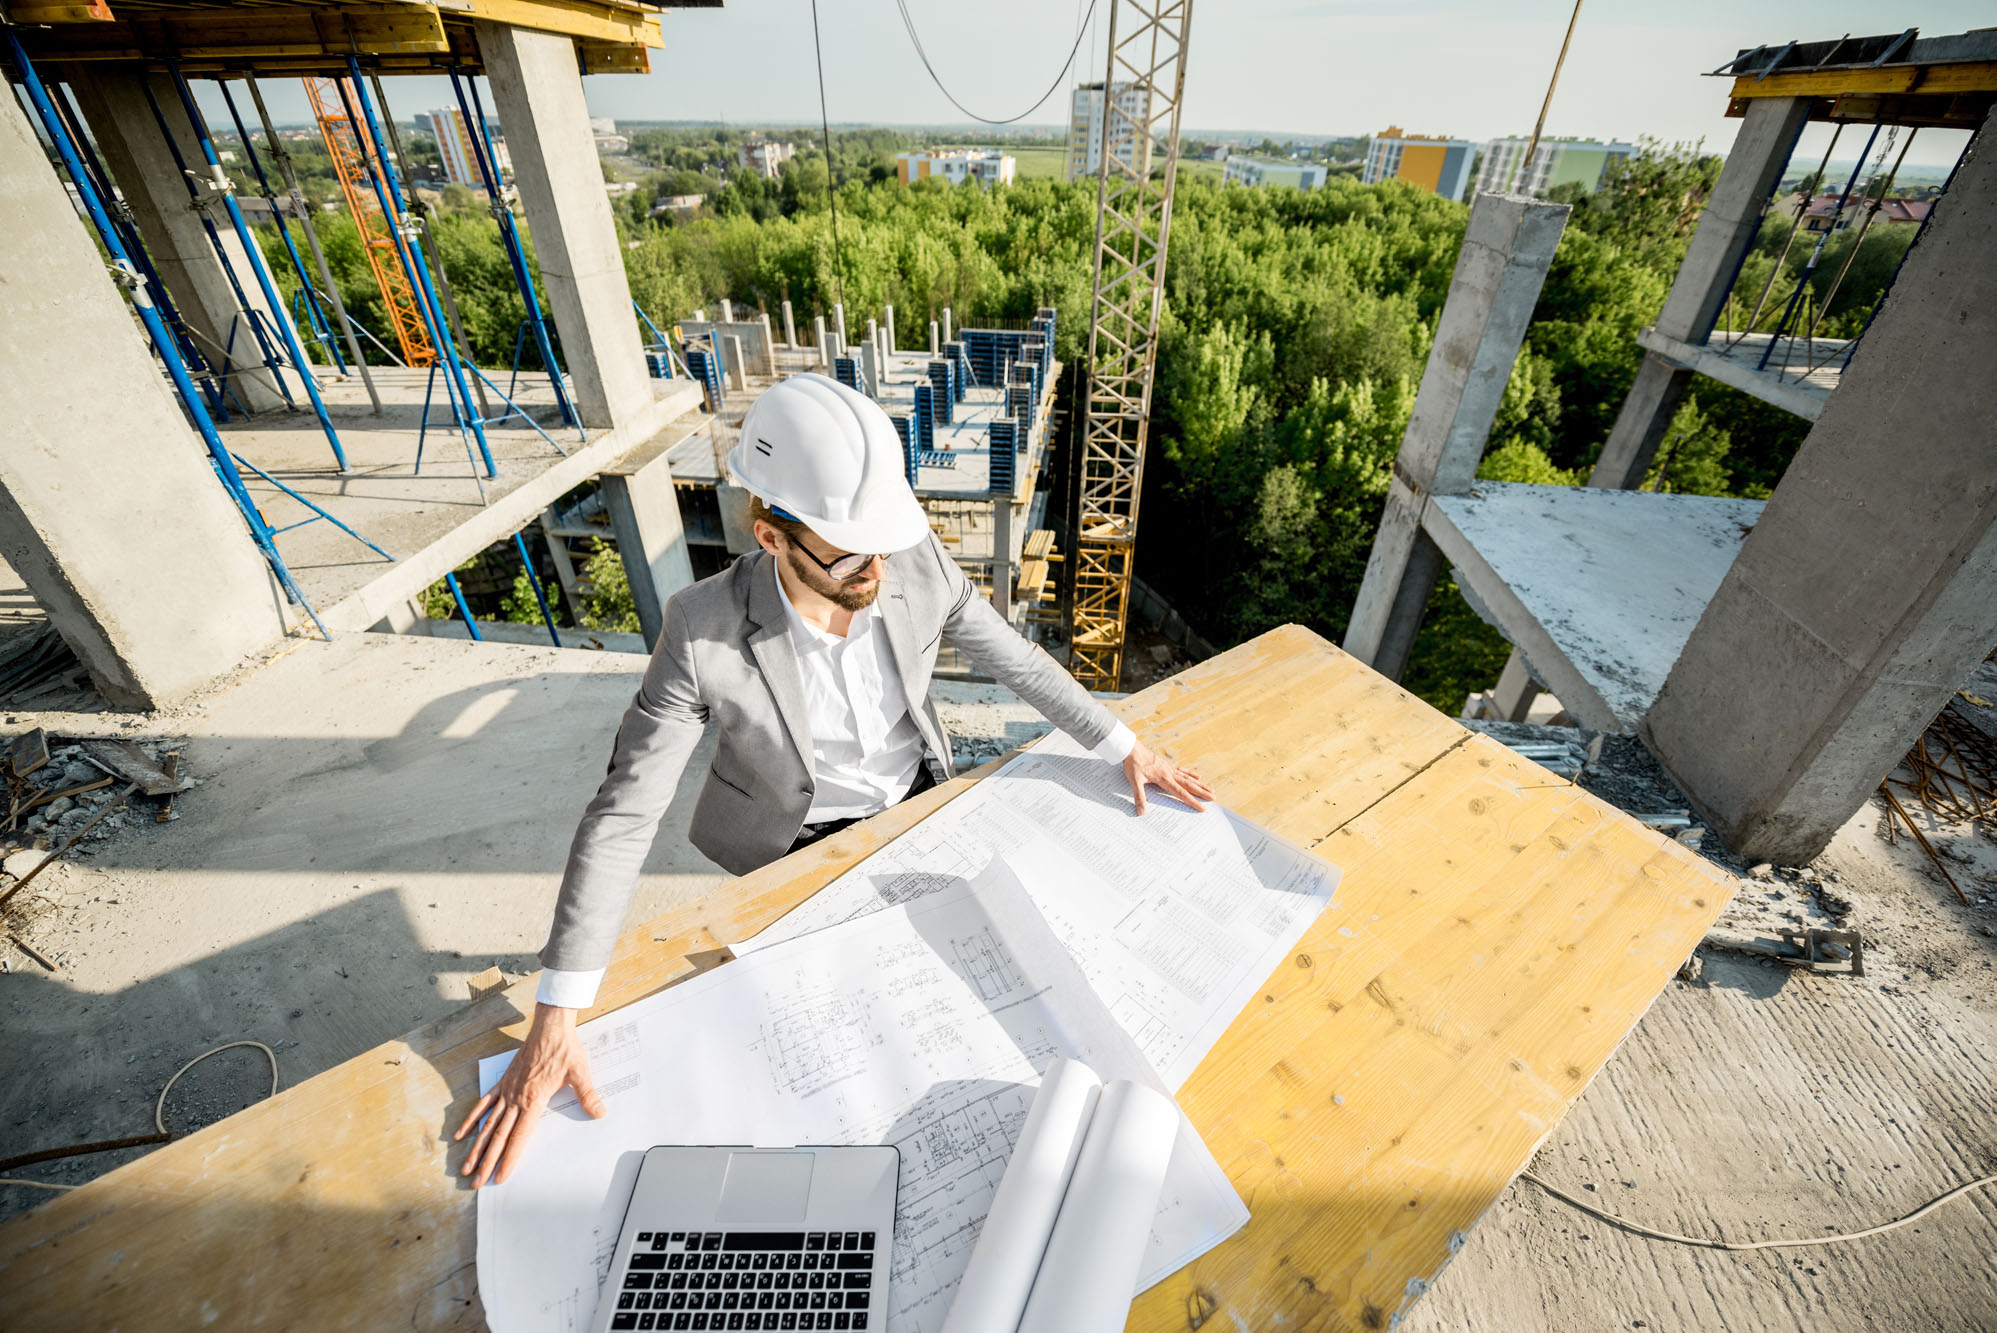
{"points": [[841, 567]]}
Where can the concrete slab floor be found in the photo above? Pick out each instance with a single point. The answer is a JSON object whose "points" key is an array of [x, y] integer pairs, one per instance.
{"points": [[1757, 1103], [380, 818], [1598, 588], [383, 498]]}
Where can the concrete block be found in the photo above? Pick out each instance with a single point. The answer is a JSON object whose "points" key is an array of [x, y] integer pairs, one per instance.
{"points": [[1863, 597], [109, 511]]}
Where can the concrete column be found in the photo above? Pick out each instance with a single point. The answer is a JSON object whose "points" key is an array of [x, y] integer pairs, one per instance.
{"points": [[947, 335], [818, 341], [1002, 555], [1511, 699], [1863, 598], [935, 339], [537, 89], [1726, 229], [874, 335], [732, 362], [889, 324], [129, 141], [870, 367], [769, 346], [839, 319], [838, 346], [1499, 271], [727, 311], [109, 511], [790, 326], [645, 519]]}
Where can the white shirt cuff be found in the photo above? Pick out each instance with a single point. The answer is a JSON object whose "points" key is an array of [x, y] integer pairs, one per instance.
{"points": [[569, 990], [1116, 746]]}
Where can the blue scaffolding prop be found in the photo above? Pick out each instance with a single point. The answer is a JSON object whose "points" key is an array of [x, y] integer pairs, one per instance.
{"points": [[1810, 266], [317, 512], [458, 596], [269, 359], [388, 195], [190, 396], [257, 266], [540, 593], [516, 255]]}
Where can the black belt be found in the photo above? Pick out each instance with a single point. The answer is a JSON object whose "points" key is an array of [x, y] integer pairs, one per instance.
{"points": [[811, 833]]}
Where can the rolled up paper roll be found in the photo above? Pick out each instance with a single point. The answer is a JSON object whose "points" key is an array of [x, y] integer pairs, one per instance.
{"points": [[1089, 1271], [994, 1290]]}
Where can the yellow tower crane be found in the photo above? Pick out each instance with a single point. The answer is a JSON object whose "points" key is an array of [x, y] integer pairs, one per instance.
{"points": [[1142, 90]]}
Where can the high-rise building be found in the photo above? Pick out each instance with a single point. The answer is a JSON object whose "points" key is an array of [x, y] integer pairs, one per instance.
{"points": [[1441, 166], [1261, 171], [1087, 124], [986, 166], [765, 157], [1556, 162], [454, 144]]}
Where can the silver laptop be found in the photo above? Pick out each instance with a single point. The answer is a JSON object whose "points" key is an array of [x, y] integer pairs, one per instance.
{"points": [[754, 1238]]}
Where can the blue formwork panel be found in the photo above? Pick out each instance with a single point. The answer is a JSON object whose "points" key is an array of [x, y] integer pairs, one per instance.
{"points": [[943, 381], [705, 366], [1003, 465], [908, 450], [659, 362], [960, 357], [846, 369], [925, 419], [1019, 406]]}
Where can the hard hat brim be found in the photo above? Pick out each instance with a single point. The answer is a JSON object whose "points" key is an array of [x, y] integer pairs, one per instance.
{"points": [[904, 525]]}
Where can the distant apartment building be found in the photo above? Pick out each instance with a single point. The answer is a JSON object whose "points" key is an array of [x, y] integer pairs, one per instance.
{"points": [[602, 125], [1440, 166], [986, 166], [1261, 171], [1088, 121], [764, 157], [1823, 213], [454, 145], [612, 143], [1556, 162]]}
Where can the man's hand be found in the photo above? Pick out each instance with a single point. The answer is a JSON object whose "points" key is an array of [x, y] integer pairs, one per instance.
{"points": [[1142, 766], [551, 1058]]}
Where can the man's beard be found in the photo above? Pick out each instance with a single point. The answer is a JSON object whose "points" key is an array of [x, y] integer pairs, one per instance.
{"points": [[844, 595]]}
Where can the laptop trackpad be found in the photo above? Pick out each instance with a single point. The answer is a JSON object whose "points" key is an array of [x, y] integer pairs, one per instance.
{"points": [[765, 1187]]}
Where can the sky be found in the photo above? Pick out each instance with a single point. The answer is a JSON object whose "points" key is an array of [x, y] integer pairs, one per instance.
{"points": [[1470, 69]]}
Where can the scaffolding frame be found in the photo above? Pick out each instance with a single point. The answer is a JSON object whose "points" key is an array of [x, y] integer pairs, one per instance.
{"points": [[1147, 49]]}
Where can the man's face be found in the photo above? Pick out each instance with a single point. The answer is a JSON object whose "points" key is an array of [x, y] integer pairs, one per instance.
{"points": [[853, 594]]}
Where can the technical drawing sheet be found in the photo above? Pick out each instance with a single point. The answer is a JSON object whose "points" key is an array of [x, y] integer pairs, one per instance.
{"points": [[1176, 918], [925, 1026]]}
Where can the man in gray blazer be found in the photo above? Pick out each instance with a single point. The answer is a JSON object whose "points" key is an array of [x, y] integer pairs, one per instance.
{"points": [[813, 657]]}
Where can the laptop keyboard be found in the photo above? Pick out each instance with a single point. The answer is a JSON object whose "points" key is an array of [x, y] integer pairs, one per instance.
{"points": [[748, 1280]]}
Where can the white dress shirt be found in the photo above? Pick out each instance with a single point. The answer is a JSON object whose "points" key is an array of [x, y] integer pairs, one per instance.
{"points": [[865, 747]]}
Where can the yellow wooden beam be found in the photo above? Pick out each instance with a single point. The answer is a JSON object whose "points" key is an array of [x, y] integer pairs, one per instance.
{"points": [[614, 57], [246, 35], [1968, 76], [591, 20], [96, 11]]}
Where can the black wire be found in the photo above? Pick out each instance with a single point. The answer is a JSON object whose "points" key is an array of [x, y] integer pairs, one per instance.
{"points": [[825, 127], [909, 23]]}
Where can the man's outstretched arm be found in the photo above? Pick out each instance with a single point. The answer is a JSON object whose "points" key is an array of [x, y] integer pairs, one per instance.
{"points": [[654, 741]]}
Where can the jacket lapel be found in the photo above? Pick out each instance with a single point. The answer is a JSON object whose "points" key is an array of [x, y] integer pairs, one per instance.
{"points": [[903, 643], [776, 655]]}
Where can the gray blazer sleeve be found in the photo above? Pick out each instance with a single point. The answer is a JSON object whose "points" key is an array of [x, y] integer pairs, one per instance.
{"points": [[659, 732], [1022, 667]]}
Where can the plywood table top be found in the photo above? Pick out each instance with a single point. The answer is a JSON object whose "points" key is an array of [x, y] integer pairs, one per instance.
{"points": [[1496, 933]]}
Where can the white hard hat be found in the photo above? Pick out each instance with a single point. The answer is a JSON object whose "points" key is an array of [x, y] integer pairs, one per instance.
{"points": [[830, 458]]}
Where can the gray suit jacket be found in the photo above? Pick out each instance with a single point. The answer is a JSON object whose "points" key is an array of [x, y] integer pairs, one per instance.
{"points": [[725, 656]]}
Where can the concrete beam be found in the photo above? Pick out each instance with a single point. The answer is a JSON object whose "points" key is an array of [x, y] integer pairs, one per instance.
{"points": [[1726, 228], [1499, 271], [645, 519], [113, 99], [109, 511], [537, 90], [1862, 599]]}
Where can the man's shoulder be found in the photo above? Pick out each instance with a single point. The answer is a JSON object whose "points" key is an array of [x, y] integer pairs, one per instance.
{"points": [[719, 600]]}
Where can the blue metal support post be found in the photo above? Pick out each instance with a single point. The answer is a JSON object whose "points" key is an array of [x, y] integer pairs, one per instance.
{"points": [[257, 266]]}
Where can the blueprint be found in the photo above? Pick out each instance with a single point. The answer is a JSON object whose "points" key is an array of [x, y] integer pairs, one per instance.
{"points": [[926, 1026], [1175, 917]]}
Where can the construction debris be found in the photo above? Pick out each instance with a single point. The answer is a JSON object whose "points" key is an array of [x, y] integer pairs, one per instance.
{"points": [[1813, 949]]}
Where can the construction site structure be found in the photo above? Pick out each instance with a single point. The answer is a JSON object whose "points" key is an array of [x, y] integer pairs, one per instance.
{"points": [[1147, 62], [1778, 658]]}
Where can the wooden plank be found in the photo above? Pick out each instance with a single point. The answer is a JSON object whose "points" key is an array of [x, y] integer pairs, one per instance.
{"points": [[243, 35], [599, 22], [96, 11], [614, 57], [1967, 76], [1495, 935]]}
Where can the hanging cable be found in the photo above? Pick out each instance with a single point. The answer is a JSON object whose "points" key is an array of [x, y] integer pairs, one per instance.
{"points": [[909, 23], [825, 127]]}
